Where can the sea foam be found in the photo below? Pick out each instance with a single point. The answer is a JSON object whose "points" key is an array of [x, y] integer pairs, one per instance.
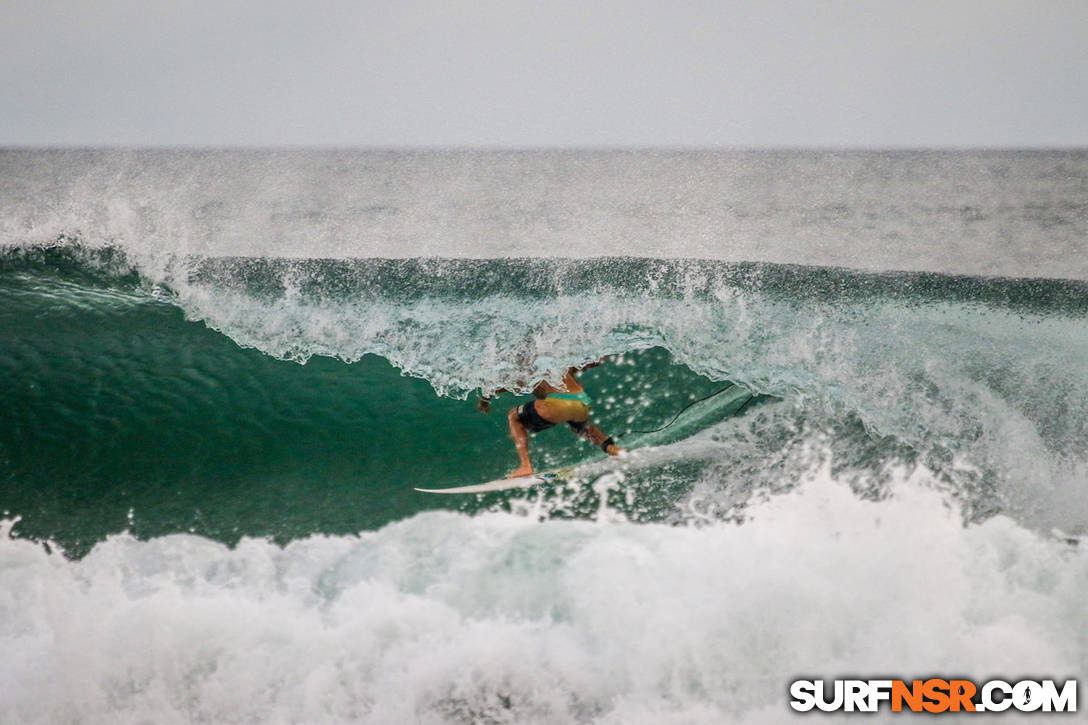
{"points": [[444, 617]]}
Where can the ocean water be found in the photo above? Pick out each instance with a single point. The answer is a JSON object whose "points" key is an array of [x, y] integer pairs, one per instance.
{"points": [[224, 372]]}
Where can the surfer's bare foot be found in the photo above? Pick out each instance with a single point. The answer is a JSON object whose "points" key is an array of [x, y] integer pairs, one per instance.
{"points": [[520, 472]]}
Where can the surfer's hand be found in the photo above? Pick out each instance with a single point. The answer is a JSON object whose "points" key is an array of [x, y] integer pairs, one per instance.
{"points": [[614, 450], [483, 405]]}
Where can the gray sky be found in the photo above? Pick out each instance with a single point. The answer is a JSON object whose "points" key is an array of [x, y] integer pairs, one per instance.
{"points": [[545, 73]]}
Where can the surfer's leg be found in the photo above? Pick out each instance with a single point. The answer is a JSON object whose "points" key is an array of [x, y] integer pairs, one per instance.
{"points": [[521, 441]]}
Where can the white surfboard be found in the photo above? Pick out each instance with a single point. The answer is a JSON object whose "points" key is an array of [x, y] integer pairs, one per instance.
{"points": [[629, 460], [504, 484]]}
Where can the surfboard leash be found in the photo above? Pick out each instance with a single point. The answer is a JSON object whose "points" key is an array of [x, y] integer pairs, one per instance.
{"points": [[693, 402]]}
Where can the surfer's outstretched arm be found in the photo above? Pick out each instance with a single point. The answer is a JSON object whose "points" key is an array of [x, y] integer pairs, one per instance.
{"points": [[483, 403]]}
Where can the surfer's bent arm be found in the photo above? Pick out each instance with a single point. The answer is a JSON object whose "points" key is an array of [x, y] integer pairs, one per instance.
{"points": [[597, 437]]}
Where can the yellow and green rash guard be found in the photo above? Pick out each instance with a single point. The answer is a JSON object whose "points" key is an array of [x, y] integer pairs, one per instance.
{"points": [[580, 397]]}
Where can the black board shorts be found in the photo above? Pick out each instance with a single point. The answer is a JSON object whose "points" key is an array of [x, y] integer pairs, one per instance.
{"points": [[534, 422]]}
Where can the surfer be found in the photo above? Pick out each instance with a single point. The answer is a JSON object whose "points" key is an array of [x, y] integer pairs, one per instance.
{"points": [[567, 404]]}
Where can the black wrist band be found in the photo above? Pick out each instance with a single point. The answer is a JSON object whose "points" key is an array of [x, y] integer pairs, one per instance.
{"points": [[606, 443]]}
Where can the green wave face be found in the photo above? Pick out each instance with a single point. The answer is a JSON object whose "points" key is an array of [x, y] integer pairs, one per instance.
{"points": [[236, 396]]}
